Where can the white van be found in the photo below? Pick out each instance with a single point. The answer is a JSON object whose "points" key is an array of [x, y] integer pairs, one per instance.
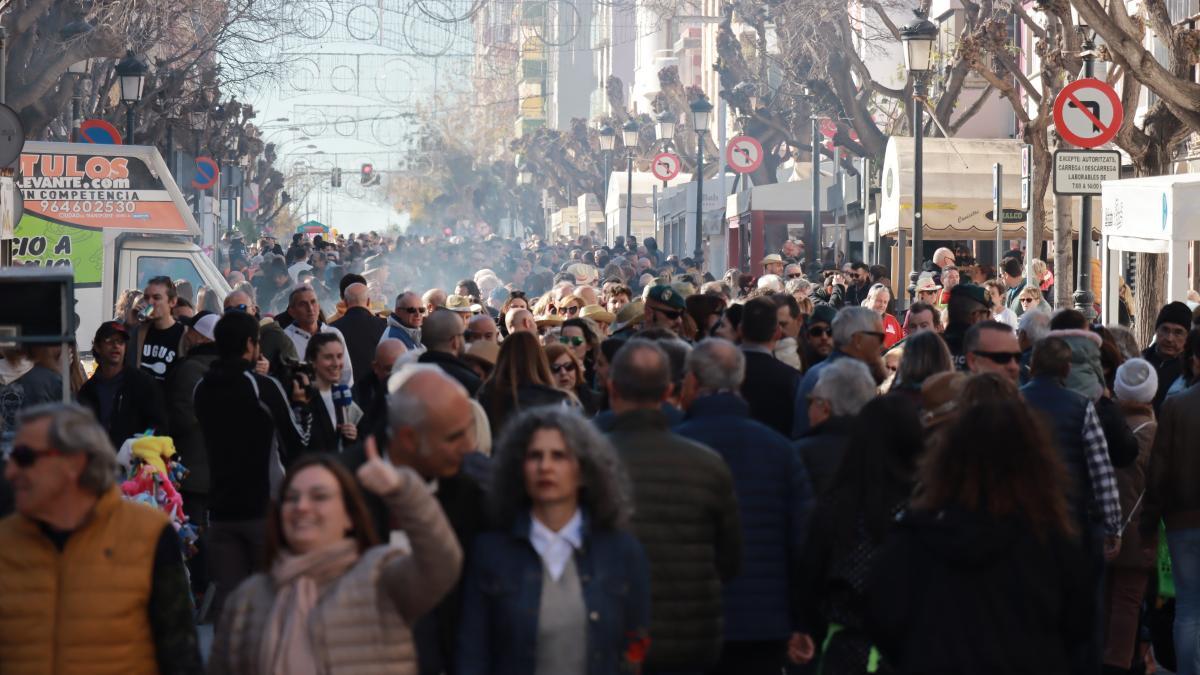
{"points": [[115, 215]]}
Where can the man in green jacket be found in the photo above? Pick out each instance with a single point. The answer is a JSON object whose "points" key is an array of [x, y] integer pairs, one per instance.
{"points": [[685, 513]]}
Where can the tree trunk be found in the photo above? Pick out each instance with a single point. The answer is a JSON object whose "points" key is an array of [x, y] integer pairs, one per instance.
{"points": [[1064, 267], [1150, 294]]}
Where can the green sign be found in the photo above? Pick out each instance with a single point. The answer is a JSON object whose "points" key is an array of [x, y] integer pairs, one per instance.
{"points": [[45, 243]]}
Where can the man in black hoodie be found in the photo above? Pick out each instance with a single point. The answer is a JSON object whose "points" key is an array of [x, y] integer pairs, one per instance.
{"points": [[251, 432], [125, 399]]}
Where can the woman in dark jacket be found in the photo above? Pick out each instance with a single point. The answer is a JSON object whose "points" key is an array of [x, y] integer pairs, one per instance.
{"points": [[984, 573], [566, 589], [521, 380], [871, 486], [925, 355]]}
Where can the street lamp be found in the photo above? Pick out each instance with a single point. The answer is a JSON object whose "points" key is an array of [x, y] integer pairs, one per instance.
{"points": [[1084, 302], [608, 139], [701, 115], [131, 76], [814, 230], [666, 126], [629, 136], [918, 38]]}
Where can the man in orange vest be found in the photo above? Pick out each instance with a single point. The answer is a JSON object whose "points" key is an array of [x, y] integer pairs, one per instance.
{"points": [[90, 584]]}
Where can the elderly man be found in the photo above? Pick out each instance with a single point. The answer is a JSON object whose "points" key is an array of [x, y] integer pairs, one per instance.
{"points": [[774, 499], [80, 566], [686, 503], [858, 334], [406, 320], [432, 431], [841, 392], [1166, 353], [773, 264], [793, 271], [434, 299], [361, 329], [943, 258], [370, 393], [444, 345], [520, 320], [305, 312]]}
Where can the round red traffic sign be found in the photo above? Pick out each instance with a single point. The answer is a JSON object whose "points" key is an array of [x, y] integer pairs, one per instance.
{"points": [[666, 166], [828, 128], [1088, 113], [207, 173], [99, 132], [744, 154]]}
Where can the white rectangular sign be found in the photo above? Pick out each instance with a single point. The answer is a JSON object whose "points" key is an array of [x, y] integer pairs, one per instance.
{"points": [[1080, 172]]}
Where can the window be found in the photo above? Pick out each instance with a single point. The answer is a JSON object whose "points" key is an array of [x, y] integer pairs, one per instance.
{"points": [[150, 266]]}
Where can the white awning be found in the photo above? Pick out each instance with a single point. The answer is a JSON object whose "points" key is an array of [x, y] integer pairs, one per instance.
{"points": [[958, 188], [1152, 209]]}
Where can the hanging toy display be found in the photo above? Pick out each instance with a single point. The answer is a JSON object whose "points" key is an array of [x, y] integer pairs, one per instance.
{"points": [[153, 476]]}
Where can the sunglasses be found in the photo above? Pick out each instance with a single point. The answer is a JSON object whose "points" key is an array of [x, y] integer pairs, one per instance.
{"points": [[671, 314], [237, 308], [25, 456], [1025, 301], [817, 331], [572, 310], [875, 334], [999, 358], [413, 310], [798, 275], [560, 367], [573, 340]]}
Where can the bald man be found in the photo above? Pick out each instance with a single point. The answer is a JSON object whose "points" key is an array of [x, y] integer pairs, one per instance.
{"points": [[519, 320], [370, 392], [274, 345], [361, 329], [482, 327], [434, 299], [432, 432]]}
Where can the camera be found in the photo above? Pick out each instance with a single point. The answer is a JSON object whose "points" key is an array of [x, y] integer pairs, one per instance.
{"points": [[289, 375]]}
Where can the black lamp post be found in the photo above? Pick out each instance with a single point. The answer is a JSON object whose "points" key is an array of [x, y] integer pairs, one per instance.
{"points": [[608, 139], [629, 136], [918, 38], [814, 255], [701, 116], [131, 76], [1084, 301], [665, 121]]}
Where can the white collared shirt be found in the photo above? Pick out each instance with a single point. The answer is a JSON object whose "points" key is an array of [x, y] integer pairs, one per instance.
{"points": [[556, 548]]}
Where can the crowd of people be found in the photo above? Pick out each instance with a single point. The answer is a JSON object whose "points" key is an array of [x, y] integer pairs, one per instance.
{"points": [[455, 456]]}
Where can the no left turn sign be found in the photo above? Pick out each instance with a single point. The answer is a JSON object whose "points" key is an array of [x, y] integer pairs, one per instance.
{"points": [[1088, 113], [744, 154], [666, 166]]}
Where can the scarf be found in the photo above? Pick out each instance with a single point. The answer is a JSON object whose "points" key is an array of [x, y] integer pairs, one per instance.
{"points": [[287, 647]]}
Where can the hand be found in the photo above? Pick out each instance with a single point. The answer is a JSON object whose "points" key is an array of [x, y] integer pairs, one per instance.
{"points": [[801, 648], [262, 366], [1112, 547], [375, 475], [300, 389], [839, 280], [348, 431]]}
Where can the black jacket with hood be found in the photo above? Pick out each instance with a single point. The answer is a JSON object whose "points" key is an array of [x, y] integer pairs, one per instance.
{"points": [[959, 591]]}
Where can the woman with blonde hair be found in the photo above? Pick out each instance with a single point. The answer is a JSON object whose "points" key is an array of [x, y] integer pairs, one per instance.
{"points": [[1031, 298], [521, 379]]}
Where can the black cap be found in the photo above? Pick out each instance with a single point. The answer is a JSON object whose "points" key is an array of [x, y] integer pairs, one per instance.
{"points": [[109, 329], [1176, 313]]}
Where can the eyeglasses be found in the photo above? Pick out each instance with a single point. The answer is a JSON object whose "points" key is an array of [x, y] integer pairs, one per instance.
{"points": [[573, 340], [560, 367], [999, 358], [413, 310], [25, 456], [817, 331]]}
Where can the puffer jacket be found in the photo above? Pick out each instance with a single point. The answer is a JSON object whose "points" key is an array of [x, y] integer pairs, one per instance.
{"points": [[775, 500], [362, 621], [1087, 375], [686, 517], [1131, 482]]}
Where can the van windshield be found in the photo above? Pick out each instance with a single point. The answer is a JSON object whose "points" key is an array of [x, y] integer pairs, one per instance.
{"points": [[149, 266]]}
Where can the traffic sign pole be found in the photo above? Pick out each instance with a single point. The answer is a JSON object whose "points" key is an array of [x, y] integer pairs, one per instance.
{"points": [[998, 211], [1083, 286], [1027, 204]]}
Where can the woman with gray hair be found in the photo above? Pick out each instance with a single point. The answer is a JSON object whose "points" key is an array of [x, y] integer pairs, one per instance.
{"points": [[565, 590]]}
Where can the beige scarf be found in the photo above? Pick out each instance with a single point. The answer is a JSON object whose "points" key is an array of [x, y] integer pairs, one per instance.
{"points": [[287, 646]]}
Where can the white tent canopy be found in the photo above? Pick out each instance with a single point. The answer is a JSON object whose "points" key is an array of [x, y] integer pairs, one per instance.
{"points": [[1157, 214], [958, 188]]}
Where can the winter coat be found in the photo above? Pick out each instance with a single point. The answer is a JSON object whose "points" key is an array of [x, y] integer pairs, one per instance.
{"points": [[964, 592], [1174, 469], [528, 396], [774, 503], [181, 410], [362, 331], [821, 450], [502, 590], [1168, 370], [138, 406], [1087, 375], [1131, 482], [686, 517], [455, 368], [362, 620], [768, 387]]}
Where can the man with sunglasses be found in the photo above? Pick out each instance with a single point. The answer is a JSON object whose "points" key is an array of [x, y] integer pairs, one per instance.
{"points": [[968, 306], [858, 334], [88, 580], [860, 280], [992, 347], [818, 335], [664, 309], [406, 320], [275, 347]]}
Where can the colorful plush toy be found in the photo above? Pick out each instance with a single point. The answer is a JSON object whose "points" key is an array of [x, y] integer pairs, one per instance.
{"points": [[154, 478]]}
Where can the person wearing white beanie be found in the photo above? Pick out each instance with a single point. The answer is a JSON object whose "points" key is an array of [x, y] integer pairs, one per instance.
{"points": [[1135, 385]]}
